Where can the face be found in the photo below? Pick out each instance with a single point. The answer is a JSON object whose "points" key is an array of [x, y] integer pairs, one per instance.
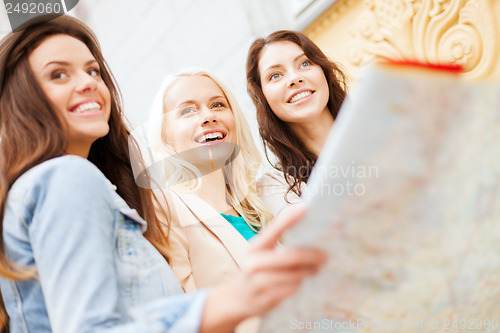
{"points": [[197, 114], [69, 75], [295, 88]]}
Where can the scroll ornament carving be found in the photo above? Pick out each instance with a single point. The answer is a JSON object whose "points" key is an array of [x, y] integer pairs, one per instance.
{"points": [[438, 31]]}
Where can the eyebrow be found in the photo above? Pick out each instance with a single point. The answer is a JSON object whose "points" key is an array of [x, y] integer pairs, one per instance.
{"points": [[189, 102], [216, 97], [279, 65], [65, 63]]}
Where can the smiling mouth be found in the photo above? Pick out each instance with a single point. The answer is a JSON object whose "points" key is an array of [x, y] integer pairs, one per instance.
{"points": [[210, 137], [87, 107], [298, 97]]}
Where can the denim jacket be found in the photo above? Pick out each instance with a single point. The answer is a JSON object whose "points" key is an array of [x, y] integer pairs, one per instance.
{"points": [[95, 272]]}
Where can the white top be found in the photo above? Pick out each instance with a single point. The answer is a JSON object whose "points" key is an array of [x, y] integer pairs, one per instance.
{"points": [[272, 190]]}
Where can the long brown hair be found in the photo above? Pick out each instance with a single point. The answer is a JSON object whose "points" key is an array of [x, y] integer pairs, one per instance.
{"points": [[32, 132], [295, 160]]}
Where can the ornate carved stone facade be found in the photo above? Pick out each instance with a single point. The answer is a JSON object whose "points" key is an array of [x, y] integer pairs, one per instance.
{"points": [[463, 32]]}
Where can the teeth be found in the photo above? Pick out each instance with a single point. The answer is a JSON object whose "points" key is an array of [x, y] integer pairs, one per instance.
{"points": [[213, 135], [87, 107], [300, 96]]}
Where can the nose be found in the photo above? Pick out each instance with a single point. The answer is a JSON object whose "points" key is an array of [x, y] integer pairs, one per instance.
{"points": [[86, 83], [295, 79], [208, 116]]}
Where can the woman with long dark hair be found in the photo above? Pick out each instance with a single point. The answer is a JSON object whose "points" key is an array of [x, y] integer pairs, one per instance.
{"points": [[297, 92]]}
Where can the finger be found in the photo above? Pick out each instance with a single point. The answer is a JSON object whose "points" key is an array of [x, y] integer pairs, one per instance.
{"points": [[273, 297], [264, 300], [280, 259], [268, 238], [265, 282]]}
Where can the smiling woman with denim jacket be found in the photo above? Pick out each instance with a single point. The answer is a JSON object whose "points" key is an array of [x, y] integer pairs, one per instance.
{"points": [[73, 257]]}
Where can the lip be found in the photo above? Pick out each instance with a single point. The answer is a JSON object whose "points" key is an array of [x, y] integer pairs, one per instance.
{"points": [[85, 101], [299, 92], [197, 137]]}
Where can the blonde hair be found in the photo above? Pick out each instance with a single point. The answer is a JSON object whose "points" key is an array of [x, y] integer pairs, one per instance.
{"points": [[240, 174]]}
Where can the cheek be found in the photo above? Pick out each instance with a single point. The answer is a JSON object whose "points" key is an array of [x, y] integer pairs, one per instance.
{"points": [[172, 139], [231, 124], [178, 136], [228, 119], [105, 93], [57, 96], [272, 95], [321, 80], [167, 136], [326, 94]]}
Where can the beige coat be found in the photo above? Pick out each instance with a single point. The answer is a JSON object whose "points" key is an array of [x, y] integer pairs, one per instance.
{"points": [[205, 248]]}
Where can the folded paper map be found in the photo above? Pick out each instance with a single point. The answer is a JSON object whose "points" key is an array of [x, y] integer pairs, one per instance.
{"points": [[405, 199]]}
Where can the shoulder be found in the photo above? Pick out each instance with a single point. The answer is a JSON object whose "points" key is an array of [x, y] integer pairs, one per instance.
{"points": [[169, 207], [272, 189], [59, 188], [63, 166], [66, 174], [270, 177]]}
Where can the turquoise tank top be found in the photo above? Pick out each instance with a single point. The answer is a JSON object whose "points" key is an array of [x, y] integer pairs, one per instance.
{"points": [[240, 225]]}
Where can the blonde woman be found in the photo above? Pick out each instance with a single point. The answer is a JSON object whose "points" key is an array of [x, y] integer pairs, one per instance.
{"points": [[209, 163]]}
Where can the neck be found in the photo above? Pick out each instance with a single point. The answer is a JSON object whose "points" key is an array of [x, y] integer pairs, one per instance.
{"points": [[313, 133], [81, 150], [213, 191]]}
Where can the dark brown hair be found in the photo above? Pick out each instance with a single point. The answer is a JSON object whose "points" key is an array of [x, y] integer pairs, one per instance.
{"points": [[295, 160], [32, 132]]}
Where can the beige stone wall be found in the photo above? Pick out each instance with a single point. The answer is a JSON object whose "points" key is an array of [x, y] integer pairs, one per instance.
{"points": [[354, 32]]}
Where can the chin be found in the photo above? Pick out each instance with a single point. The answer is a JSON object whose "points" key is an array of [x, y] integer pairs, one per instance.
{"points": [[96, 135], [102, 130]]}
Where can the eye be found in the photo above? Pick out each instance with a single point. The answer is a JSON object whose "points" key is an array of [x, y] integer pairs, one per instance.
{"points": [[187, 111], [94, 72], [218, 105], [58, 74], [274, 76], [305, 63]]}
